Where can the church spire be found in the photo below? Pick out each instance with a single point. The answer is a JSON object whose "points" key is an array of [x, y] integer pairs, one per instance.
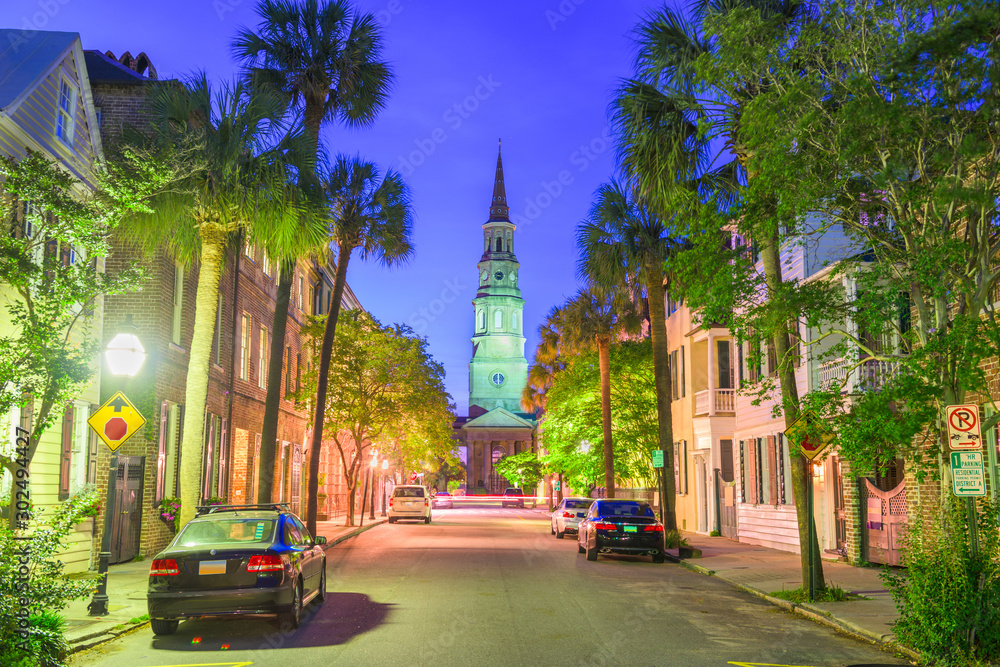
{"points": [[498, 207]]}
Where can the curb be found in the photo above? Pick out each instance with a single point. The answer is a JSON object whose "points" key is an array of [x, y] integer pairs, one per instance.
{"points": [[93, 639], [806, 610], [357, 531]]}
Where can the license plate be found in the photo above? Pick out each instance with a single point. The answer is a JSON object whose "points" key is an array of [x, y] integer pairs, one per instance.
{"points": [[631, 529], [581, 515], [212, 567]]}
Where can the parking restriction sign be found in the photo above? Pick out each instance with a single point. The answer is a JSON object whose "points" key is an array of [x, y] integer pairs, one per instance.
{"points": [[963, 427], [968, 478]]}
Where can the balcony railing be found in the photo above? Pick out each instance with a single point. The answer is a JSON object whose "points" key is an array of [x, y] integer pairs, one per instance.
{"points": [[852, 377], [713, 401]]}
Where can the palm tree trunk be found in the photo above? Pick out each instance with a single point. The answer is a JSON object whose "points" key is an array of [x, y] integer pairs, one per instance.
{"points": [[661, 376], [604, 359], [213, 248], [326, 352], [272, 402], [770, 255]]}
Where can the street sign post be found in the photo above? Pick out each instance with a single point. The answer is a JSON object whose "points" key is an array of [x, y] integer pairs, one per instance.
{"points": [[798, 432], [968, 477], [963, 427], [657, 458], [116, 421]]}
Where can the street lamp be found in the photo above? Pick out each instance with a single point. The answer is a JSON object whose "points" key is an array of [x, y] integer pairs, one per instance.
{"points": [[385, 466], [125, 356]]}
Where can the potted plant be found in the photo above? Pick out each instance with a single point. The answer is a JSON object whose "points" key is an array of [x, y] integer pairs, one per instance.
{"points": [[170, 509]]}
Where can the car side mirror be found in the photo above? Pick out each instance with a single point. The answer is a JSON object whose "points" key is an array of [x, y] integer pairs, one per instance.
{"points": [[320, 539]]}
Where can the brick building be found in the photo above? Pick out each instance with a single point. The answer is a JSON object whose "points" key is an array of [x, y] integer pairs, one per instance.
{"points": [[163, 311]]}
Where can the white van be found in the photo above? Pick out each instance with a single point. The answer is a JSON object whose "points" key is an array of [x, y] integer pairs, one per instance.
{"points": [[410, 501]]}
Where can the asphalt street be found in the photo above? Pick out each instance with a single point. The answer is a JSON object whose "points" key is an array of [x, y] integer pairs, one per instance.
{"points": [[491, 586]]}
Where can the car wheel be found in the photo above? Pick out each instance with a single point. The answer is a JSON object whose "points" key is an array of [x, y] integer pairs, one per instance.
{"points": [[427, 519], [162, 626], [560, 534], [552, 528], [592, 553], [293, 616], [392, 520], [658, 558], [580, 549], [321, 594]]}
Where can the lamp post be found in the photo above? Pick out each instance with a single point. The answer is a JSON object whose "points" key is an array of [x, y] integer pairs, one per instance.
{"points": [[125, 356], [371, 483], [385, 466]]}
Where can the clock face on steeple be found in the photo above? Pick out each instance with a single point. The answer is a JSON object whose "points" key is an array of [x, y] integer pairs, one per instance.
{"points": [[498, 378], [498, 275]]}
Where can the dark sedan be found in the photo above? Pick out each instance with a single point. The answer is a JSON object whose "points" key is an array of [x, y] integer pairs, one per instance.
{"points": [[237, 560], [621, 527]]}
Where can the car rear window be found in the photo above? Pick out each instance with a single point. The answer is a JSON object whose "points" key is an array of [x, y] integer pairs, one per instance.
{"points": [[408, 492], [443, 493], [226, 531], [513, 492], [577, 504], [624, 509]]}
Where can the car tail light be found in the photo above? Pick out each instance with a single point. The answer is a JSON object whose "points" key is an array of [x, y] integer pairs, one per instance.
{"points": [[567, 515], [605, 526], [653, 529], [265, 563], [163, 567], [427, 501], [391, 501]]}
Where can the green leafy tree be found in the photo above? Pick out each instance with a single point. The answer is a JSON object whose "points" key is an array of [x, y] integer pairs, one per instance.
{"points": [[225, 149], [49, 275], [383, 383], [325, 59], [374, 217], [677, 118], [524, 470], [623, 246]]}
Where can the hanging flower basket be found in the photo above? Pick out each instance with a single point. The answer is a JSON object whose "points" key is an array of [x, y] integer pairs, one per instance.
{"points": [[170, 509]]}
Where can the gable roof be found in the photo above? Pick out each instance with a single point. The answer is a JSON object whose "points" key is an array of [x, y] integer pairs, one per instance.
{"points": [[498, 418], [25, 59]]}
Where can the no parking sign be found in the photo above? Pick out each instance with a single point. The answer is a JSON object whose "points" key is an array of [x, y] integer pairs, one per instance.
{"points": [[963, 427]]}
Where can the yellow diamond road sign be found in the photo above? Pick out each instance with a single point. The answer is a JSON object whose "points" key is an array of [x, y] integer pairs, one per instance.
{"points": [[116, 421]]}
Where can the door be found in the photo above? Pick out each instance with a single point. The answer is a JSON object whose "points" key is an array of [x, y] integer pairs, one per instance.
{"points": [[885, 517], [726, 503], [126, 524], [839, 511]]}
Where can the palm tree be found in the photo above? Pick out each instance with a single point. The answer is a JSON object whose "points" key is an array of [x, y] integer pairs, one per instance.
{"points": [[325, 59], [372, 216], [230, 174], [623, 244], [546, 364], [654, 116], [592, 320]]}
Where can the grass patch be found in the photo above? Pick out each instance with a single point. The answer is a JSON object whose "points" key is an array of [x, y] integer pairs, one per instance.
{"points": [[829, 594]]}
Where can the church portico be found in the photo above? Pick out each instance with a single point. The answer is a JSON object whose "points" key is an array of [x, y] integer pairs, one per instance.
{"points": [[498, 370]]}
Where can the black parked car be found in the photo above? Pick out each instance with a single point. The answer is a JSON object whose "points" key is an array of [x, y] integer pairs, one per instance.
{"points": [[621, 527], [236, 560], [513, 498]]}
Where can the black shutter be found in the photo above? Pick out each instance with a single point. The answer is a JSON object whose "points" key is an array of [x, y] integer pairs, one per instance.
{"points": [[92, 449], [726, 454], [66, 452], [682, 372], [743, 471]]}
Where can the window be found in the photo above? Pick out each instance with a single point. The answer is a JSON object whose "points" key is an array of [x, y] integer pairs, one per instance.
{"points": [[218, 331], [245, 348], [725, 366], [312, 300], [772, 359], [674, 384], [208, 457], [726, 460], [481, 326], [682, 389], [66, 111], [265, 263], [513, 321], [175, 331], [301, 305], [498, 319], [288, 370], [247, 248], [166, 460], [262, 362], [499, 244], [298, 372]]}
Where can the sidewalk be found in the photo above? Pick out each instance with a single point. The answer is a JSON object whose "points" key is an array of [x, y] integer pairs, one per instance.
{"points": [[762, 571], [127, 593]]}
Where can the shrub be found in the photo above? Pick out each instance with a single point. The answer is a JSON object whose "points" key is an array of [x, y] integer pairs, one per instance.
{"points": [[949, 600], [673, 540], [45, 591]]}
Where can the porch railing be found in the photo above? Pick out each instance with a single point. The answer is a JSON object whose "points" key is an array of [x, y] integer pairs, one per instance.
{"points": [[722, 400], [870, 374]]}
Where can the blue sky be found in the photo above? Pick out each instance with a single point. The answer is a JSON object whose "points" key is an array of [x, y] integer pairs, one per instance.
{"points": [[536, 73]]}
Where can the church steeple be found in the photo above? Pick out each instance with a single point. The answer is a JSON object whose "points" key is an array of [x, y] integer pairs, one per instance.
{"points": [[499, 212]]}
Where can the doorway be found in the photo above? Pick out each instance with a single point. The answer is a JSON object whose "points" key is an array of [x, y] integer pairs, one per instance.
{"points": [[126, 523]]}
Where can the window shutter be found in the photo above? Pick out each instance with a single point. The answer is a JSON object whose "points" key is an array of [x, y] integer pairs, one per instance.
{"points": [[684, 462], [726, 454], [161, 454], [739, 362], [223, 485], [682, 372], [753, 472], [92, 450], [772, 471], [743, 471], [66, 452], [175, 473], [780, 456], [207, 457]]}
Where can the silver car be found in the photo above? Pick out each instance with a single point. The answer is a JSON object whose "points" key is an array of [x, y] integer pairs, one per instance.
{"points": [[567, 515]]}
